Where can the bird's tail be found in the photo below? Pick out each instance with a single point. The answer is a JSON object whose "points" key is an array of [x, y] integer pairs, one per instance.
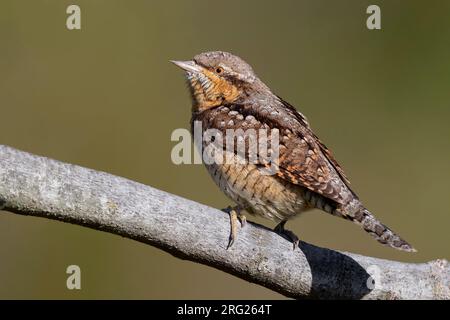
{"points": [[380, 232]]}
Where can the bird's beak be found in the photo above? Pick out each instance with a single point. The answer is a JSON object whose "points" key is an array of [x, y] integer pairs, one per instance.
{"points": [[189, 66]]}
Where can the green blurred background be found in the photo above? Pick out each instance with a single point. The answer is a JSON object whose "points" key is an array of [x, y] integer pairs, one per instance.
{"points": [[107, 98]]}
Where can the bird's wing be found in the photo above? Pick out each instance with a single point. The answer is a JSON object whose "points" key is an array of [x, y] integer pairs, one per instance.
{"points": [[303, 159], [303, 162], [327, 153], [308, 162]]}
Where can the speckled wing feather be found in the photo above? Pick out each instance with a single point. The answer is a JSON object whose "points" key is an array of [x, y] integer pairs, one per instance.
{"points": [[322, 146], [303, 159], [308, 162]]}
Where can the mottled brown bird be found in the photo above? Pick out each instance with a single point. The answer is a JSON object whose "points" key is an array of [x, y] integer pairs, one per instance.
{"points": [[226, 94]]}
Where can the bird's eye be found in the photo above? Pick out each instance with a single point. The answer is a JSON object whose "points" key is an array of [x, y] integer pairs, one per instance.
{"points": [[219, 70]]}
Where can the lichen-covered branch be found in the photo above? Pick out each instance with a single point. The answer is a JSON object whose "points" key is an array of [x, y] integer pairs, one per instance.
{"points": [[38, 186]]}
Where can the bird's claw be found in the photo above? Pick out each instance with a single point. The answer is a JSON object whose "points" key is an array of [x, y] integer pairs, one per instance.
{"points": [[235, 216], [287, 234]]}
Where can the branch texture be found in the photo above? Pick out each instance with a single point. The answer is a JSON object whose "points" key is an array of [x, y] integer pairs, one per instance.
{"points": [[38, 186]]}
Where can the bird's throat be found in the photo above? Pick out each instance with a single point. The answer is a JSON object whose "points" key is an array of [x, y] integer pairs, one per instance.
{"points": [[209, 90]]}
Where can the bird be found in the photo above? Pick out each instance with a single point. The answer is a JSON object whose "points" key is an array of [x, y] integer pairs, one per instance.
{"points": [[227, 95]]}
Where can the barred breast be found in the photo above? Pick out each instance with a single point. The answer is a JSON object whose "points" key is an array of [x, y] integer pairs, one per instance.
{"points": [[264, 195]]}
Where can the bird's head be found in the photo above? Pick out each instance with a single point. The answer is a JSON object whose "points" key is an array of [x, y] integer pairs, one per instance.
{"points": [[216, 78]]}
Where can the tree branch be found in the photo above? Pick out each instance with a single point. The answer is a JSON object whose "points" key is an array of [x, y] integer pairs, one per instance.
{"points": [[42, 187]]}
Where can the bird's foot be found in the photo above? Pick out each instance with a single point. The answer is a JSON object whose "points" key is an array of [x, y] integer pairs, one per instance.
{"points": [[287, 234], [235, 216]]}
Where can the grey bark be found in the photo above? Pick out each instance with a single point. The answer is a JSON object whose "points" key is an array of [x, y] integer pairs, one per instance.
{"points": [[42, 187]]}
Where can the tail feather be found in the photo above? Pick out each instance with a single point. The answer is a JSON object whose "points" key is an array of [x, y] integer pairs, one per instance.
{"points": [[381, 232], [356, 212]]}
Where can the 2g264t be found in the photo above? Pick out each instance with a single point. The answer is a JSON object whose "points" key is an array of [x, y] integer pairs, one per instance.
{"points": [[228, 309]]}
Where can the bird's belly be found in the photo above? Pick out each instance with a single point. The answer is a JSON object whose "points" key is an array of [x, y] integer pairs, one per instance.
{"points": [[264, 195]]}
